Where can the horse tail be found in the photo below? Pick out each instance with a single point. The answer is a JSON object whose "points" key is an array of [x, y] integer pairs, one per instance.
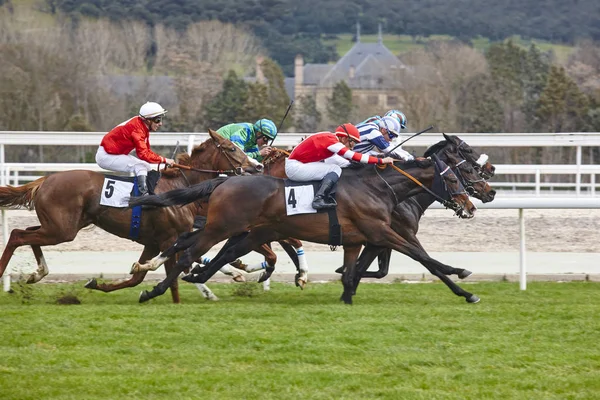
{"points": [[15, 197], [187, 195]]}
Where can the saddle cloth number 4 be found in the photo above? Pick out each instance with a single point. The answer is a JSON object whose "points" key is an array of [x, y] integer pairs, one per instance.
{"points": [[115, 193], [298, 199]]}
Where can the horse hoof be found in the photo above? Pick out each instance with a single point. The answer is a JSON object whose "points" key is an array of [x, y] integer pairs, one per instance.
{"points": [[301, 283], [473, 299], [135, 267], [144, 296], [340, 270], [267, 274], [346, 299], [189, 278], [464, 274], [239, 278], [91, 284]]}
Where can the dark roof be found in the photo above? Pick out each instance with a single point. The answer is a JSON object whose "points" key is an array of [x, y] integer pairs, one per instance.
{"points": [[372, 63], [313, 73]]}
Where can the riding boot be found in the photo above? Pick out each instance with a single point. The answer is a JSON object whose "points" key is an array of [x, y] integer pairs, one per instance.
{"points": [[322, 199], [142, 186]]}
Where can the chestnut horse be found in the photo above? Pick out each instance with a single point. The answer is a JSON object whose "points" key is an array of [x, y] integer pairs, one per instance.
{"points": [[68, 201], [366, 198]]}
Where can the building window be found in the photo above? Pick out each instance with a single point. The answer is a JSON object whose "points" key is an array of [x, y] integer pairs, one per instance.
{"points": [[373, 100], [392, 101]]}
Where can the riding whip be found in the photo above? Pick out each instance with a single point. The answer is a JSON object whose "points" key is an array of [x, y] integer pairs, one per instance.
{"points": [[283, 119], [415, 135]]}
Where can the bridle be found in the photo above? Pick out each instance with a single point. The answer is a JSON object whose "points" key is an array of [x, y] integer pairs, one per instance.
{"points": [[446, 198], [477, 164], [235, 170], [468, 184]]}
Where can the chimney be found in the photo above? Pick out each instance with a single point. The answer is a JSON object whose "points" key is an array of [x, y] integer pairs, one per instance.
{"points": [[351, 72], [260, 77], [380, 35], [299, 70], [357, 32]]}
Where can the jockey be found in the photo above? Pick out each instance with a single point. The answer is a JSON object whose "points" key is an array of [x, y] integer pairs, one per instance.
{"points": [[113, 153], [304, 164], [376, 137], [251, 138]]}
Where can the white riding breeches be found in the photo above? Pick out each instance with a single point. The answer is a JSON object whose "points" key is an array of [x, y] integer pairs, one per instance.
{"points": [[314, 171], [122, 162]]}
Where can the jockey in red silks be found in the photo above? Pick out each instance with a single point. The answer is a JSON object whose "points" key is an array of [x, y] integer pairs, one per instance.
{"points": [[304, 164], [113, 153]]}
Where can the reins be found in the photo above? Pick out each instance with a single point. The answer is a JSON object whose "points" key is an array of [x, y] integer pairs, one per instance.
{"points": [[445, 203]]}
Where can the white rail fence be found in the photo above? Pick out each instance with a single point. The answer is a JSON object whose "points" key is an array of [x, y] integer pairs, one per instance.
{"points": [[16, 173]]}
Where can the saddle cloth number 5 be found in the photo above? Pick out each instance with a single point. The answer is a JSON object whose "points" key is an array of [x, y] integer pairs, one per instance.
{"points": [[115, 193], [298, 199]]}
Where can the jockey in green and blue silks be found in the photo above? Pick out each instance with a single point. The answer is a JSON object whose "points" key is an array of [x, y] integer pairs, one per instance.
{"points": [[252, 139]]}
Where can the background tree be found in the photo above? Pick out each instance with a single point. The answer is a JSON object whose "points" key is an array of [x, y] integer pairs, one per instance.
{"points": [[229, 104], [340, 108], [308, 117], [562, 106]]}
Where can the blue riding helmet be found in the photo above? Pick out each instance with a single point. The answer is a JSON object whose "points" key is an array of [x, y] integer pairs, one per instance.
{"points": [[375, 119], [266, 127], [399, 115]]}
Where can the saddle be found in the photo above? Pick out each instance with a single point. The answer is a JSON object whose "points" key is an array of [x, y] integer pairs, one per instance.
{"points": [[298, 199]]}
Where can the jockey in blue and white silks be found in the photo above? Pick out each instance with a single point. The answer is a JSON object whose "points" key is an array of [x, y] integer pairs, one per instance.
{"points": [[375, 138]]}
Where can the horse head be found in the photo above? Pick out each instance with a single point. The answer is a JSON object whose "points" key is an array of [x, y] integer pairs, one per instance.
{"points": [[450, 189], [473, 169], [218, 155]]}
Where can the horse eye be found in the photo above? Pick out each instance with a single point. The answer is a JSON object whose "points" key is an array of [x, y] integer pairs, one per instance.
{"points": [[232, 149]]}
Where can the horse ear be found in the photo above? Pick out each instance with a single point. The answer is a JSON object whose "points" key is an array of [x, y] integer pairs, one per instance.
{"points": [[213, 134], [448, 138]]}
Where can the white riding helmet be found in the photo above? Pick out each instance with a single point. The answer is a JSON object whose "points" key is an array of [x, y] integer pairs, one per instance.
{"points": [[392, 125], [152, 110]]}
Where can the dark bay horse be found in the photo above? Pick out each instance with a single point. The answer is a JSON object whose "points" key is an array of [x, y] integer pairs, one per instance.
{"points": [[68, 201], [366, 198], [406, 217]]}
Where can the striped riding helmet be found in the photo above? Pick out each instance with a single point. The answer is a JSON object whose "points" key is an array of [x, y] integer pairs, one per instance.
{"points": [[399, 115], [266, 127]]}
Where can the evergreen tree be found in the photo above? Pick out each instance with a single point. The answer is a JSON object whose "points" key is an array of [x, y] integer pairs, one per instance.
{"points": [[479, 111], [229, 105], [562, 107], [340, 107], [277, 97], [309, 117]]}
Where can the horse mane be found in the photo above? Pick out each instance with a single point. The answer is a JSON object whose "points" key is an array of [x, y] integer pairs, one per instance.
{"points": [[275, 155], [435, 148], [184, 158]]}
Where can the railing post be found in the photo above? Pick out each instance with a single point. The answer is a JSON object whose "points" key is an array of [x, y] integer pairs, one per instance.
{"points": [[522, 255], [190, 145], [538, 182], [593, 184], [3, 182], [578, 174]]}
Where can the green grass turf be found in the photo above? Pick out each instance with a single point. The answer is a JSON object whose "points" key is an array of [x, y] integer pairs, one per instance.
{"points": [[398, 341]]}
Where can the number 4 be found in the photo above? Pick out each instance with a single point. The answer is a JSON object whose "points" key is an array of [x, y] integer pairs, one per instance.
{"points": [[292, 198]]}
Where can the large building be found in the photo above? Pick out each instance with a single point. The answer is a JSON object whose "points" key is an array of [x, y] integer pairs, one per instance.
{"points": [[371, 70]]}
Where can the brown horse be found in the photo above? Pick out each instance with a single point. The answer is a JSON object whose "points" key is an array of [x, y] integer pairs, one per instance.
{"points": [[66, 202], [406, 216], [366, 198]]}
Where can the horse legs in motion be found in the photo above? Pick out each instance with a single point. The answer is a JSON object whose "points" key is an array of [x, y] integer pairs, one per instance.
{"points": [[414, 250], [45, 234]]}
